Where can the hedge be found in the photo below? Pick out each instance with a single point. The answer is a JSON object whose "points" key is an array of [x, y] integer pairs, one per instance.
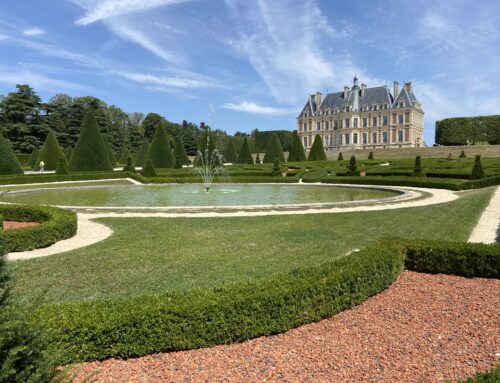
{"points": [[9, 163], [44, 177], [492, 376], [127, 327], [50, 153], [55, 224]]}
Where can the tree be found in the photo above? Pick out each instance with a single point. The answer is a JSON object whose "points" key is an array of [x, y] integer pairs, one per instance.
{"points": [[273, 150], [179, 152], [143, 152], [32, 158], [149, 170], [111, 155], [50, 153], [9, 163], [62, 166], [477, 170], [90, 153], [124, 156], [160, 151], [417, 169], [317, 152], [341, 158], [352, 166], [151, 123], [245, 157], [297, 152], [230, 154], [370, 156], [207, 148], [134, 133]]}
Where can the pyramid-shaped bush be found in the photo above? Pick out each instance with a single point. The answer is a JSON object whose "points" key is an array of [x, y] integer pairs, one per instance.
{"points": [[180, 152], [32, 158], [50, 153], [297, 152], [68, 152], [62, 166], [9, 163], [124, 156], [111, 155], [273, 150], [148, 170], [230, 154], [317, 152], [160, 152], [477, 170], [90, 153], [143, 152], [245, 157]]}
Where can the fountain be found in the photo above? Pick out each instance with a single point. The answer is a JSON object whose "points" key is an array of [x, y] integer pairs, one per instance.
{"points": [[208, 162]]}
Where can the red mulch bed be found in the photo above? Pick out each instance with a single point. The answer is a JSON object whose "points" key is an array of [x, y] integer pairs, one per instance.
{"points": [[7, 225], [424, 328]]}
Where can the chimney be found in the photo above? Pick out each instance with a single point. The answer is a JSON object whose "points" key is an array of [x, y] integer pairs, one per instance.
{"points": [[363, 89], [346, 91], [318, 99], [396, 89], [408, 86]]}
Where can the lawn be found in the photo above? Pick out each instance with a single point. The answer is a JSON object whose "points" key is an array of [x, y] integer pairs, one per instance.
{"points": [[151, 255]]}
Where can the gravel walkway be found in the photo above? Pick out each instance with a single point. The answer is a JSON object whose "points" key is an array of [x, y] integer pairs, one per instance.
{"points": [[488, 226], [423, 328]]}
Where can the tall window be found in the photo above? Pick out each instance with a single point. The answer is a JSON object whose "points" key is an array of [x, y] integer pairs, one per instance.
{"points": [[384, 120], [355, 122], [400, 136], [365, 122], [327, 126], [385, 137], [305, 141], [374, 138], [318, 125], [335, 125], [364, 139], [374, 121], [346, 138], [335, 140], [400, 118], [305, 126], [355, 138], [346, 123], [327, 140]]}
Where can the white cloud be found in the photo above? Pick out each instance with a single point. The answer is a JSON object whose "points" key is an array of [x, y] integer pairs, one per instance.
{"points": [[165, 82], [34, 31], [253, 108]]}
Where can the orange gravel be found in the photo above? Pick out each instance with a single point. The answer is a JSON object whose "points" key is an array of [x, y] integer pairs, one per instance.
{"points": [[7, 225], [424, 328]]}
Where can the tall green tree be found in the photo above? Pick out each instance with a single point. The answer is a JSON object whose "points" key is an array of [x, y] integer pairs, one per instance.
{"points": [[244, 156], [317, 152], [124, 156], [179, 151], [297, 152], [9, 163], [274, 150], [111, 154], [134, 134], [50, 153], [230, 154], [143, 152], [151, 123], [160, 151]]}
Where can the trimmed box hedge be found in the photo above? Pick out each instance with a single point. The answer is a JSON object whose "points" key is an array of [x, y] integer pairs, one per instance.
{"points": [[44, 177], [55, 224]]}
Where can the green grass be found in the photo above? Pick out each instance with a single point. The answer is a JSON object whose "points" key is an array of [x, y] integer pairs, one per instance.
{"points": [[151, 255]]}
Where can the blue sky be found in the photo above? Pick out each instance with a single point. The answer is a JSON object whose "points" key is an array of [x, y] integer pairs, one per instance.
{"points": [[243, 64]]}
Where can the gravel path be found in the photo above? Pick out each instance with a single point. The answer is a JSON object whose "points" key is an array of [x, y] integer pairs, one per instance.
{"points": [[423, 328], [488, 227]]}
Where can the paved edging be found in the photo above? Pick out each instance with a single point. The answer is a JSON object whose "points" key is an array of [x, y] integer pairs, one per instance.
{"points": [[486, 230]]}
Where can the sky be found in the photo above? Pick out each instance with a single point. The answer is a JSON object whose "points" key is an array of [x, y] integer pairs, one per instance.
{"points": [[240, 65]]}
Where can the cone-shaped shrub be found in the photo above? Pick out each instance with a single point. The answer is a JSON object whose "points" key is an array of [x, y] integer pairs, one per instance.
{"points": [[62, 166], [462, 154], [124, 156], [230, 154], [257, 159], [160, 151], [245, 157], [68, 153], [370, 156], [297, 152], [273, 150], [32, 158], [352, 166], [417, 169], [111, 155], [317, 152], [276, 167], [341, 158], [180, 152], [148, 170], [477, 170], [129, 167], [143, 152], [50, 153], [90, 151], [9, 164]]}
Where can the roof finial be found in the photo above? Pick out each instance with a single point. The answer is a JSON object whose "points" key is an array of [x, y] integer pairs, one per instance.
{"points": [[355, 81]]}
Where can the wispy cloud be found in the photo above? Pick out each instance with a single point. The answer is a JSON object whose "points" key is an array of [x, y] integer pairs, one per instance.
{"points": [[253, 108], [34, 31], [168, 81]]}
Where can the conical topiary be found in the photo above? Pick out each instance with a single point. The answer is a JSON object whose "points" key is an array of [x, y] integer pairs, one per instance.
{"points": [[111, 155], [341, 158], [245, 157], [50, 153], [68, 152], [230, 154], [297, 152], [417, 169], [273, 150], [148, 170], [124, 156], [160, 153], [143, 152], [90, 153], [477, 170], [257, 159], [276, 167], [180, 152], [317, 152], [128, 166], [352, 166], [462, 154], [9, 164], [62, 166], [32, 158], [370, 156]]}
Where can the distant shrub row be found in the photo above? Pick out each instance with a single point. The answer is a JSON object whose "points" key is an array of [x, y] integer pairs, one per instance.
{"points": [[45, 177]]}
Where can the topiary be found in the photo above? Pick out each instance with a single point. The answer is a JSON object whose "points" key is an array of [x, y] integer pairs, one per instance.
{"points": [[9, 164], [148, 170], [160, 152], [450, 157], [50, 153], [180, 154], [352, 166], [245, 157], [462, 154], [129, 167], [62, 166], [370, 156], [124, 156], [68, 152], [341, 158], [317, 152], [276, 167], [90, 153], [417, 169], [143, 152], [111, 155], [230, 154], [477, 170], [297, 152], [32, 158], [273, 150], [257, 159]]}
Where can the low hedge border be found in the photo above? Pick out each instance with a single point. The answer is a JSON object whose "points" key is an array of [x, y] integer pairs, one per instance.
{"points": [[42, 177], [128, 327], [55, 224]]}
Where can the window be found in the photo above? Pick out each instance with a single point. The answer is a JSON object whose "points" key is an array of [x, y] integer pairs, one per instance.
{"points": [[335, 125], [374, 138], [365, 122], [327, 126], [364, 138], [327, 140], [305, 141], [335, 140], [400, 136], [346, 138], [346, 123], [305, 126], [355, 138], [355, 122], [400, 117], [385, 137], [374, 121], [384, 120], [318, 125]]}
